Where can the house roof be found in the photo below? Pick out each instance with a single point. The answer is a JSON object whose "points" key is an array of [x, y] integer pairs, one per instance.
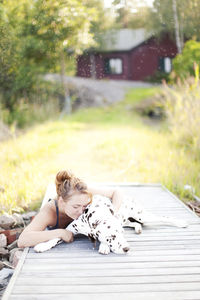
{"points": [[125, 39]]}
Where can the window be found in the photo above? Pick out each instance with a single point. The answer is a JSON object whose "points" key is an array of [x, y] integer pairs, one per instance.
{"points": [[113, 66], [165, 64]]}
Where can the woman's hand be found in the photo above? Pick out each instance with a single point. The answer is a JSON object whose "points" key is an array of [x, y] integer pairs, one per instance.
{"points": [[67, 236]]}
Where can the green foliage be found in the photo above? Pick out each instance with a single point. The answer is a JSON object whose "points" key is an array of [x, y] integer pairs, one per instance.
{"points": [[131, 13], [183, 64], [182, 106], [161, 18], [37, 37], [158, 77]]}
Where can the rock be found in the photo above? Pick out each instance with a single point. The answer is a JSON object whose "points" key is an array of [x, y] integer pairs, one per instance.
{"points": [[18, 219], [7, 264], [3, 240], [12, 234], [28, 216], [12, 245], [6, 221], [15, 256], [1, 265], [3, 252], [5, 275]]}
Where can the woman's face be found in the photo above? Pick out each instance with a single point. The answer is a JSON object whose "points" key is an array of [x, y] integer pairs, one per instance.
{"points": [[75, 205]]}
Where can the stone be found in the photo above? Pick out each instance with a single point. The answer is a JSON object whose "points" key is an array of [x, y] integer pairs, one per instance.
{"points": [[1, 265], [15, 256], [12, 234], [5, 275], [12, 245], [18, 219], [3, 252], [6, 221], [3, 240], [7, 264], [28, 216]]}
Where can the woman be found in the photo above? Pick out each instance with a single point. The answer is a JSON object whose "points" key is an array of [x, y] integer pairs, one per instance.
{"points": [[73, 196]]}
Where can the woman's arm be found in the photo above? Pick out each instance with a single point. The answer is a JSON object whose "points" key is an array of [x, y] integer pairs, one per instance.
{"points": [[115, 195], [35, 232]]}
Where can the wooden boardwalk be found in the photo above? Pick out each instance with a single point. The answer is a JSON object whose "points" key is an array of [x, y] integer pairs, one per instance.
{"points": [[164, 262]]}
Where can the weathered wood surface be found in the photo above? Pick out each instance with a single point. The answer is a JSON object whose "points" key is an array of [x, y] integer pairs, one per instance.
{"points": [[164, 262]]}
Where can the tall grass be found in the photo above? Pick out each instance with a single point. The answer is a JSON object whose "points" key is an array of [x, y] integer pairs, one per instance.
{"points": [[182, 106], [111, 144]]}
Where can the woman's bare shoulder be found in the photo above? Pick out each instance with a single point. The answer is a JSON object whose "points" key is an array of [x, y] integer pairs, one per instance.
{"points": [[45, 217]]}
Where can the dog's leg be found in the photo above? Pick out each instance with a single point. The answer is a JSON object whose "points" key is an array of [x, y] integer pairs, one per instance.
{"points": [[137, 226], [104, 248], [149, 218], [42, 247]]}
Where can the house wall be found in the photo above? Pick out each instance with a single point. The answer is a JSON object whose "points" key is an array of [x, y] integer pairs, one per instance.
{"points": [[138, 63], [144, 59]]}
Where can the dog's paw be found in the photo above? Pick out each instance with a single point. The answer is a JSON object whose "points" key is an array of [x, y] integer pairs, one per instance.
{"points": [[104, 249], [181, 223], [42, 247], [138, 228]]}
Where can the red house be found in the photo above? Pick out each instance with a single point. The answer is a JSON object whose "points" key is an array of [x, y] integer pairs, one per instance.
{"points": [[128, 55]]}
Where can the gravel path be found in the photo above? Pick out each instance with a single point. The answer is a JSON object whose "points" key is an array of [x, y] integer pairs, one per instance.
{"points": [[111, 90]]}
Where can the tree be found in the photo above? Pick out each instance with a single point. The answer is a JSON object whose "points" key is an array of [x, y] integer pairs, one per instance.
{"points": [[48, 31], [131, 13], [180, 18]]}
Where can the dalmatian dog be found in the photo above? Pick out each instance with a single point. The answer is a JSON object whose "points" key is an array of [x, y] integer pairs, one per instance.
{"points": [[99, 222]]}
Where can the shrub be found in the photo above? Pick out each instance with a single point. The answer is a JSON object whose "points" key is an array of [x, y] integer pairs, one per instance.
{"points": [[183, 64]]}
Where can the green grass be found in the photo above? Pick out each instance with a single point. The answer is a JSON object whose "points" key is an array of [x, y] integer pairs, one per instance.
{"points": [[111, 144]]}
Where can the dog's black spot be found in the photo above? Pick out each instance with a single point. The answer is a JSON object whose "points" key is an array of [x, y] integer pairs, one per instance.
{"points": [[113, 237], [86, 210], [94, 225], [90, 215], [112, 212], [131, 208], [108, 227], [134, 220]]}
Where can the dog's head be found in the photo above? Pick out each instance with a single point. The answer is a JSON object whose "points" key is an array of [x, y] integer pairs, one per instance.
{"points": [[105, 226], [110, 231], [98, 221]]}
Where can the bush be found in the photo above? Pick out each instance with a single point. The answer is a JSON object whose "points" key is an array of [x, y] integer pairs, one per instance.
{"points": [[158, 77], [183, 64], [42, 105]]}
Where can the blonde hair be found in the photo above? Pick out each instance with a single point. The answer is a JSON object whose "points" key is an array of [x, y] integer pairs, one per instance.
{"points": [[67, 184]]}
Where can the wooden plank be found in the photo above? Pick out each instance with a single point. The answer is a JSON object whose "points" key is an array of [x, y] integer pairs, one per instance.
{"points": [[150, 253], [106, 288], [112, 266], [123, 272], [178, 295], [91, 260], [39, 280]]}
